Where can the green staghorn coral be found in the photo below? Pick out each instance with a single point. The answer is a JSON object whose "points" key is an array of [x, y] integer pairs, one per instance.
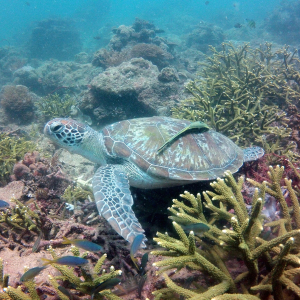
{"points": [[85, 287], [73, 194], [53, 106], [241, 91], [244, 237], [20, 218], [91, 279], [3, 277], [12, 150]]}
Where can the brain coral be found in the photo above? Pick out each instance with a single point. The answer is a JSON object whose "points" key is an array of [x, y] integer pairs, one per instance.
{"points": [[17, 103]]}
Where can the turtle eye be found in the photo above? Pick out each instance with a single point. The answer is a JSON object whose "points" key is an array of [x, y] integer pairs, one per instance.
{"points": [[56, 127]]}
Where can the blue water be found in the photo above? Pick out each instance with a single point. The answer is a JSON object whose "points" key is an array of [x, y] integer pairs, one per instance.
{"points": [[17, 17]]}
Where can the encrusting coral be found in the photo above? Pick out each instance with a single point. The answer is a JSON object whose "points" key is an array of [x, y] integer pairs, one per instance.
{"points": [[271, 259], [241, 92], [18, 103], [84, 287]]}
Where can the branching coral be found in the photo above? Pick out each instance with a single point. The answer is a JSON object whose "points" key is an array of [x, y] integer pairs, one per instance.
{"points": [[245, 238], [54, 106], [85, 287], [240, 92], [77, 193], [21, 218], [11, 150]]}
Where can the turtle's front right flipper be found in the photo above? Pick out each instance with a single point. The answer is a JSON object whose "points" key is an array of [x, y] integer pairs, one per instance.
{"points": [[114, 201]]}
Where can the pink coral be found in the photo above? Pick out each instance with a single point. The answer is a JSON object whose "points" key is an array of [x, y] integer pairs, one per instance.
{"points": [[20, 170]]}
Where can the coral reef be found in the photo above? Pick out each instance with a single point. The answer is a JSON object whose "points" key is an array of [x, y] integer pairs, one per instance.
{"points": [[138, 40], [11, 60], [205, 35], [141, 31], [54, 38], [268, 251], [241, 92], [56, 76], [283, 22], [153, 53], [18, 103], [109, 58], [119, 92], [12, 150]]}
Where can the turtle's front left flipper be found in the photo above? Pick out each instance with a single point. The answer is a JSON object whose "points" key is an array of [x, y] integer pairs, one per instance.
{"points": [[114, 201]]}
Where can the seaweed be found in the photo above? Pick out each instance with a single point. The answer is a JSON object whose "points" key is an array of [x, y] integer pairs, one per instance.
{"points": [[270, 258], [242, 92]]}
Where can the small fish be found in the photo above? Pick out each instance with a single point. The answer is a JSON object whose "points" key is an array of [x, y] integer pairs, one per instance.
{"points": [[66, 260], [3, 204], [37, 242], [141, 285], [31, 273], [107, 284], [200, 126], [97, 37], [144, 261], [65, 292], [251, 23], [206, 2], [135, 246], [157, 30], [198, 228], [84, 244], [27, 3], [238, 25]]}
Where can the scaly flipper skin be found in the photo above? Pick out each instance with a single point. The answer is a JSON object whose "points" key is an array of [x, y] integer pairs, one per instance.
{"points": [[114, 201]]}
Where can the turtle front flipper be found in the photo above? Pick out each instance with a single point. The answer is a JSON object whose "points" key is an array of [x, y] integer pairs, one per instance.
{"points": [[114, 201]]}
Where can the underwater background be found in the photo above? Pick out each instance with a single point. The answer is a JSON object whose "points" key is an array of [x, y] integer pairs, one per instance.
{"points": [[234, 65]]}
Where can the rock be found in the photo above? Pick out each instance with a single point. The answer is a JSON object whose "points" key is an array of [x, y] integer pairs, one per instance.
{"points": [[12, 190], [129, 90], [168, 75], [54, 75], [204, 35]]}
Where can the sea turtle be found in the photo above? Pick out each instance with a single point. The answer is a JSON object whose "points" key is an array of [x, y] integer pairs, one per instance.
{"points": [[128, 154]]}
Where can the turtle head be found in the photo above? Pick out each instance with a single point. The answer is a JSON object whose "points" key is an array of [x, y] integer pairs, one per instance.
{"points": [[75, 137]]}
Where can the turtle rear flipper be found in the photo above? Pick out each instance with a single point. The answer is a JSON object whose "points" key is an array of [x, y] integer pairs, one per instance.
{"points": [[114, 201], [253, 153]]}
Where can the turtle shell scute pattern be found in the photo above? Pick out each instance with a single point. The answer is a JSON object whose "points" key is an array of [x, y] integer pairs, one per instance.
{"points": [[194, 156]]}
